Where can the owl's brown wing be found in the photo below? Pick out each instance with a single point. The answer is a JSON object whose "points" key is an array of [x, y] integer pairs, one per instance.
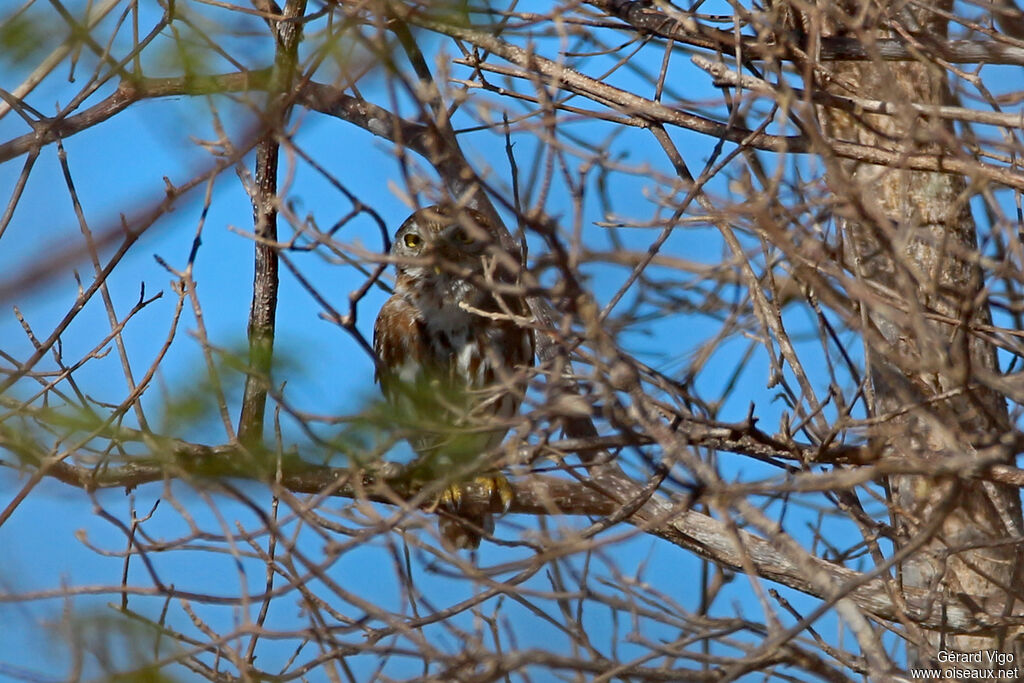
{"points": [[405, 371], [400, 342]]}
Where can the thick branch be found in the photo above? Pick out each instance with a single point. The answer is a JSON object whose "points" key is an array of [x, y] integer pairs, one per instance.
{"points": [[546, 495], [641, 110], [641, 16], [379, 121], [46, 131]]}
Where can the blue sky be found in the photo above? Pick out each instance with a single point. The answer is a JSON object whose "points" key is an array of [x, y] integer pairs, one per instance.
{"points": [[119, 166], [121, 163]]}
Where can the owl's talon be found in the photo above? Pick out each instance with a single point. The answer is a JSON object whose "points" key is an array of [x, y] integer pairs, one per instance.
{"points": [[451, 497], [504, 489]]}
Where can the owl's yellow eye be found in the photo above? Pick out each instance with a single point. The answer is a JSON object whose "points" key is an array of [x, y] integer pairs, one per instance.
{"points": [[412, 240], [461, 237]]}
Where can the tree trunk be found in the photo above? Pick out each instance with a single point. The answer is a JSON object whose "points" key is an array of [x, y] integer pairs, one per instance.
{"points": [[910, 240]]}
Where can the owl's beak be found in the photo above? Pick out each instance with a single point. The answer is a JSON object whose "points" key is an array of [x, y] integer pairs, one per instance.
{"points": [[437, 270]]}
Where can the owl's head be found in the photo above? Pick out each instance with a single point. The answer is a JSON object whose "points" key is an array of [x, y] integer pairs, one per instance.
{"points": [[441, 238]]}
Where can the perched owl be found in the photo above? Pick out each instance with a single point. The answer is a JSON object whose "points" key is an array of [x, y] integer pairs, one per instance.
{"points": [[457, 371]]}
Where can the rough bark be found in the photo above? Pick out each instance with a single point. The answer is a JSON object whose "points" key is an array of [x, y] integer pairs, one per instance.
{"points": [[911, 237], [263, 312]]}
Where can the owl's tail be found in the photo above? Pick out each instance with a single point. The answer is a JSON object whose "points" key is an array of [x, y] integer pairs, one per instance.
{"points": [[462, 531]]}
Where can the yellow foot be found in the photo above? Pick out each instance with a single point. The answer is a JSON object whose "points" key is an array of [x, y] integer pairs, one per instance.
{"points": [[494, 484], [462, 528]]}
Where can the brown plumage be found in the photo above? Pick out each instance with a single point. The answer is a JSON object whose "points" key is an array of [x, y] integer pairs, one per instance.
{"points": [[457, 373]]}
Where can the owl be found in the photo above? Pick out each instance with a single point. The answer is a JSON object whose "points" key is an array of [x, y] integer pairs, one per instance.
{"points": [[452, 356]]}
